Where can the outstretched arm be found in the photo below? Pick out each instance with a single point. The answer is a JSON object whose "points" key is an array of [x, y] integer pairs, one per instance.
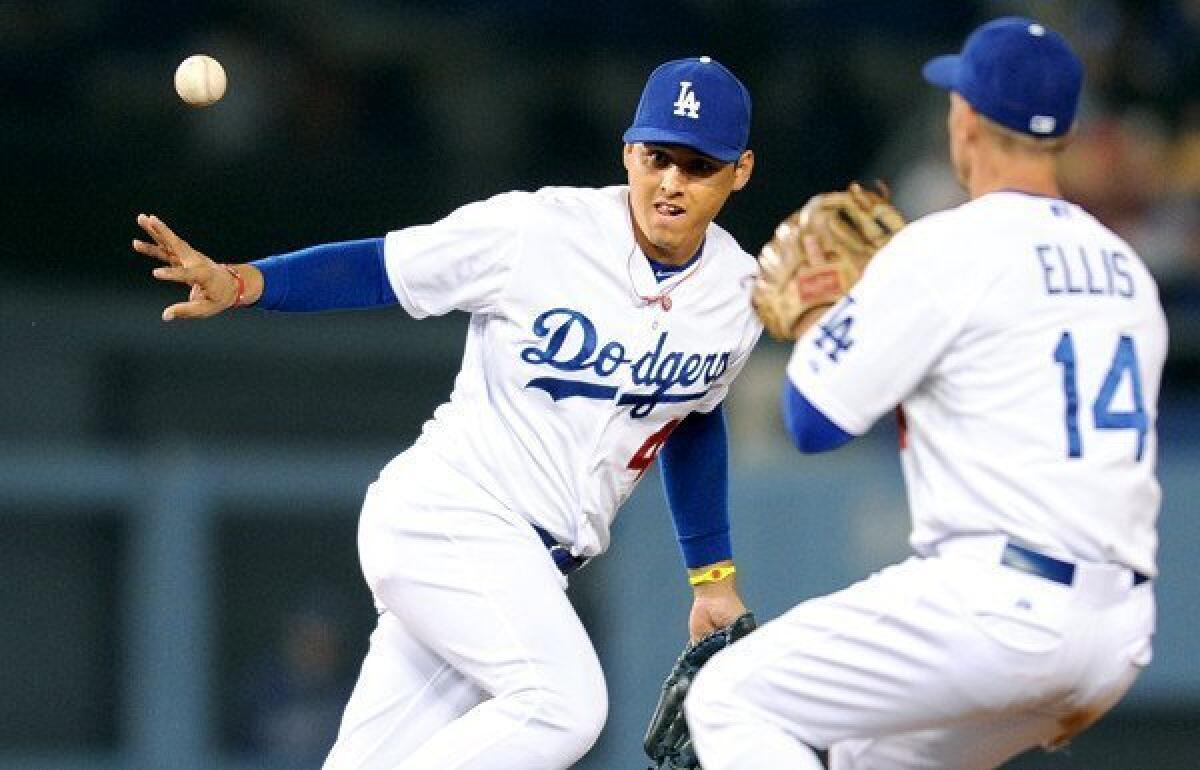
{"points": [[331, 276]]}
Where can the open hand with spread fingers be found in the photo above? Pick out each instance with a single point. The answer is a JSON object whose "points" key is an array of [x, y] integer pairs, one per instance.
{"points": [[214, 287]]}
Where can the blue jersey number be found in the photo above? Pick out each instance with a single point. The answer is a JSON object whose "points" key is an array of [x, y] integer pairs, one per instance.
{"points": [[1103, 416]]}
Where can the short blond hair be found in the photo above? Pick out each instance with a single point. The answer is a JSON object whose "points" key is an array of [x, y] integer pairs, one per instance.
{"points": [[1008, 139]]}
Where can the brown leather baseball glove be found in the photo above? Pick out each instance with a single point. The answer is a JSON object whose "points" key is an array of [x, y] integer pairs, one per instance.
{"points": [[818, 254]]}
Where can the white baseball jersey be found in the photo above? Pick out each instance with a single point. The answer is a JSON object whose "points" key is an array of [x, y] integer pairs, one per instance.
{"points": [[571, 379], [1025, 342]]}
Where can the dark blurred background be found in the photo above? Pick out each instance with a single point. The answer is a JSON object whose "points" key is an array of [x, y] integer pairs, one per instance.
{"points": [[178, 502]]}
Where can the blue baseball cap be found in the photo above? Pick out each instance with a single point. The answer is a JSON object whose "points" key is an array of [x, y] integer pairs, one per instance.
{"points": [[695, 102], [1017, 72]]}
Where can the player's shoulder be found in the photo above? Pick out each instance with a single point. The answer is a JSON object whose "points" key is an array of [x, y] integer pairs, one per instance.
{"points": [[507, 209], [923, 238], [1088, 220], [557, 199], [985, 223], [573, 200], [951, 243], [1116, 244], [945, 223], [571, 212]]}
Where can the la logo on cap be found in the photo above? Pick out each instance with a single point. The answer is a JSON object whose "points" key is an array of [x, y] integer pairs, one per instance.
{"points": [[687, 105]]}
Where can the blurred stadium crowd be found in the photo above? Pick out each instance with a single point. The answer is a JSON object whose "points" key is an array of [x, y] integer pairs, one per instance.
{"points": [[364, 115]]}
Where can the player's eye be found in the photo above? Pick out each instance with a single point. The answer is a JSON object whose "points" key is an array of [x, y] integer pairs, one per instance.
{"points": [[658, 158], [702, 167]]}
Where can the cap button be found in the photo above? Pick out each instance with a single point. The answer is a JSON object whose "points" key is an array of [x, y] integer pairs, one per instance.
{"points": [[1037, 30], [705, 59]]}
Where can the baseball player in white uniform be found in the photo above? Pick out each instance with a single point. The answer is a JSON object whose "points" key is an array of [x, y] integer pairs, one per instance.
{"points": [[1024, 343], [606, 325]]}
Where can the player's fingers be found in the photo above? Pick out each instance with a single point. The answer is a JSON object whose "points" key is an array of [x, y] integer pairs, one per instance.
{"points": [[149, 224], [166, 238], [158, 230], [153, 250], [152, 226], [193, 308], [190, 275]]}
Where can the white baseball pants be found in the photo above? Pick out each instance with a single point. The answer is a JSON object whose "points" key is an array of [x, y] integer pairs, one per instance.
{"points": [[478, 661], [951, 662]]}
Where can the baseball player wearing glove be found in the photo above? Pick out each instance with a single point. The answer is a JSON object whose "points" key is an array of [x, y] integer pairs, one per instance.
{"points": [[1024, 343], [606, 326]]}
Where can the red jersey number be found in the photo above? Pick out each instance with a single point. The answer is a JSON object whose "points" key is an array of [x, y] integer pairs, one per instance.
{"points": [[644, 456]]}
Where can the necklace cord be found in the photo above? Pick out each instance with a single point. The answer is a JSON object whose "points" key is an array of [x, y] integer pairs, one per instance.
{"points": [[662, 298]]}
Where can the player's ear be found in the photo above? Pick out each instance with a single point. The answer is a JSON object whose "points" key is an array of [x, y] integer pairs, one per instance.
{"points": [[963, 117], [627, 156], [742, 169]]}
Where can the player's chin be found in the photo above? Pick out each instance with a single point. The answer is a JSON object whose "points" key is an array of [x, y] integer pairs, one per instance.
{"points": [[674, 229], [667, 243]]}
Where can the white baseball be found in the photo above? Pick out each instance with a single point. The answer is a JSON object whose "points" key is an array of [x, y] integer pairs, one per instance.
{"points": [[200, 80]]}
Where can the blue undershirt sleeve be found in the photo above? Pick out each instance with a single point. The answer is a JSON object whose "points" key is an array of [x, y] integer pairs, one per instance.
{"points": [[332, 276], [811, 431], [694, 463]]}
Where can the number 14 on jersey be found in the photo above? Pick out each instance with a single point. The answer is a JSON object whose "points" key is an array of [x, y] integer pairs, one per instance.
{"points": [[1104, 417]]}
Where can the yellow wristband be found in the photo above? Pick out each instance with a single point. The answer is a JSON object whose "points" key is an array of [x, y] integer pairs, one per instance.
{"points": [[712, 575]]}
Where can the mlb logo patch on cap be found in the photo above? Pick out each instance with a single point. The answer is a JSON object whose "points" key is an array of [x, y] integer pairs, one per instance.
{"points": [[1043, 124], [1017, 72], [697, 103]]}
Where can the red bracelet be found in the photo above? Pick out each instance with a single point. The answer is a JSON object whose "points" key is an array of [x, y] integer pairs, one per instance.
{"points": [[239, 300]]}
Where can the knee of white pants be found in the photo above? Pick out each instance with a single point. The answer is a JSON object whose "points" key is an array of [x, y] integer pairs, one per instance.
{"points": [[727, 731], [564, 724]]}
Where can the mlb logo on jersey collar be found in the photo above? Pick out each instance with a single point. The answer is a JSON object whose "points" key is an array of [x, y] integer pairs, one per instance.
{"points": [[697, 103]]}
